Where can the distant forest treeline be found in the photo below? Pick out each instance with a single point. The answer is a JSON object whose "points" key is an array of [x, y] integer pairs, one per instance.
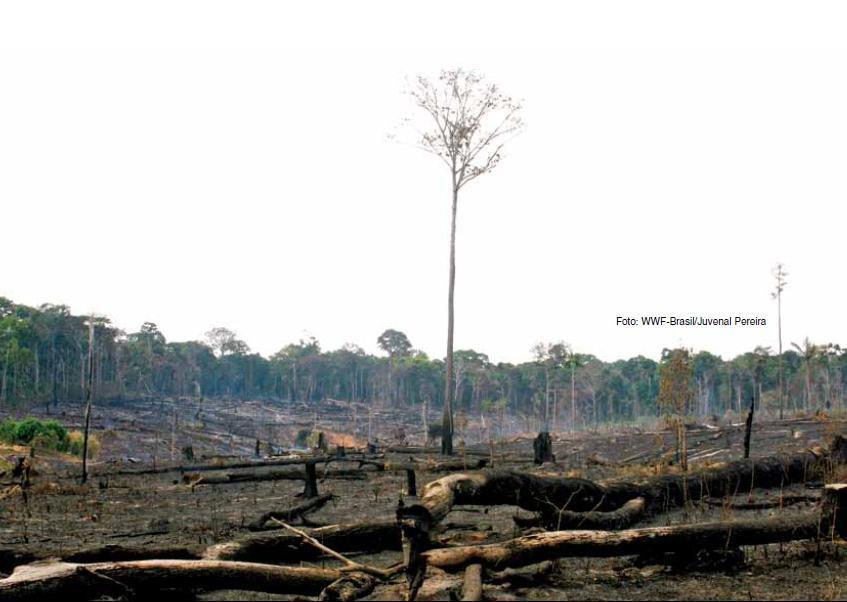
{"points": [[43, 358]]}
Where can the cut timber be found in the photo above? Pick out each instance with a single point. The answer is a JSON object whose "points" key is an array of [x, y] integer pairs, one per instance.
{"points": [[58, 579], [532, 549], [298, 511], [362, 537], [550, 495]]}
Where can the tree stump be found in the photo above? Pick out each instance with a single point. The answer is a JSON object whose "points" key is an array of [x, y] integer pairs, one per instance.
{"points": [[311, 489], [543, 448], [188, 453], [834, 510], [411, 486]]}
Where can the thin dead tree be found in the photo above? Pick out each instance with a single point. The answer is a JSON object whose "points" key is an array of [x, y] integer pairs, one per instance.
{"points": [[89, 394], [468, 122], [779, 275]]}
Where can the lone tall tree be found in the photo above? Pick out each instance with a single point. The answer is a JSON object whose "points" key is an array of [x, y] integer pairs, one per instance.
{"points": [[469, 121], [779, 275]]}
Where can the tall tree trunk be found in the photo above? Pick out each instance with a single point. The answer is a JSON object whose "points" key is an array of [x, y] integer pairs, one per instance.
{"points": [[573, 397], [779, 330], [546, 399], [5, 372], [88, 395], [37, 373], [447, 418], [808, 385]]}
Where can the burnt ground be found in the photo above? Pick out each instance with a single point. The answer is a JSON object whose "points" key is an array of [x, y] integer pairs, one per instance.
{"points": [[158, 510]]}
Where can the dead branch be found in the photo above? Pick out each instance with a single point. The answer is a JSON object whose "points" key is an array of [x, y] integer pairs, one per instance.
{"points": [[299, 511], [625, 516], [281, 547], [355, 566]]}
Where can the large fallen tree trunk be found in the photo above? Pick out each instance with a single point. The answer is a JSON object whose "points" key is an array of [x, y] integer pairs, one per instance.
{"points": [[531, 549], [365, 537], [126, 579], [220, 466], [550, 496], [425, 465], [226, 478]]}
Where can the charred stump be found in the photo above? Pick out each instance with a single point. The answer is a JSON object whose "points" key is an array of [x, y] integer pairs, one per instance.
{"points": [[311, 488], [748, 427], [542, 447]]}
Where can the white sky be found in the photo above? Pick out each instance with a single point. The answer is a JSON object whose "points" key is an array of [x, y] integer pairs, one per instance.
{"points": [[203, 164]]}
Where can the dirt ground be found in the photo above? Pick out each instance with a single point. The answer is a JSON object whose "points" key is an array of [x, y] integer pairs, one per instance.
{"points": [[158, 510]]}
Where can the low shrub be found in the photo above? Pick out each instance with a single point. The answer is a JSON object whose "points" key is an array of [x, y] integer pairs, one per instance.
{"points": [[75, 441]]}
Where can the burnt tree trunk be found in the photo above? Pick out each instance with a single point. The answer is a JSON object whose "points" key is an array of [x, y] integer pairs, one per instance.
{"points": [[311, 488], [126, 579], [536, 548], [411, 485], [748, 428], [551, 495], [542, 447]]}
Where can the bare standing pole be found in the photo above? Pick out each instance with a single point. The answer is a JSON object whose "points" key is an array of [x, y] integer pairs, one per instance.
{"points": [[779, 274], [88, 395]]}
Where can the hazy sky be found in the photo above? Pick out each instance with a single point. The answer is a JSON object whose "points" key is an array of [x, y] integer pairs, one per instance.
{"points": [[201, 164]]}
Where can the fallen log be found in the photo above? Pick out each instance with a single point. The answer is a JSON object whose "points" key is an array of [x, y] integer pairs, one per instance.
{"points": [[182, 468], [361, 537], [58, 579], [115, 552], [779, 501], [227, 478], [472, 586], [433, 450], [551, 495], [425, 465], [531, 549]]}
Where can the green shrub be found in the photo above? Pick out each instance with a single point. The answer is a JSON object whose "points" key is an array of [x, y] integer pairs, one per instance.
{"points": [[8, 428], [47, 434]]}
